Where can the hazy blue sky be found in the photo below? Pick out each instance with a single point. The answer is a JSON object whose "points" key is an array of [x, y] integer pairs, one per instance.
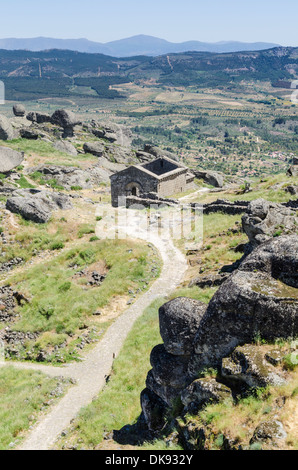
{"points": [[174, 20]]}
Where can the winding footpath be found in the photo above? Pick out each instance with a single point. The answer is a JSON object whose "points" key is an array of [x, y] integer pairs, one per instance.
{"points": [[90, 374]]}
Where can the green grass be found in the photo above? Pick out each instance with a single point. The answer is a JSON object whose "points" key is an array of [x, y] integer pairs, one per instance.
{"points": [[32, 238], [47, 154], [119, 403], [22, 395], [24, 183], [216, 223], [44, 149], [219, 241], [270, 188], [86, 229], [63, 304], [204, 295]]}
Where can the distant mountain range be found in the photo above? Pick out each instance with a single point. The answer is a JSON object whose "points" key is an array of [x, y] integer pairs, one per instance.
{"points": [[133, 46], [30, 75]]}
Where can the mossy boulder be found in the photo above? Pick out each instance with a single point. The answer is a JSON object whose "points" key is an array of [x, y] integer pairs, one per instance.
{"points": [[248, 366], [260, 298], [204, 390], [268, 432]]}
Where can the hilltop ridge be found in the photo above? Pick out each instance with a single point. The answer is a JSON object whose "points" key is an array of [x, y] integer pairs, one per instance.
{"points": [[136, 45]]}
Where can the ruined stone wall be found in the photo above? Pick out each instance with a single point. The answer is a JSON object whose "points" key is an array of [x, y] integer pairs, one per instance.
{"points": [[161, 166], [120, 181], [173, 184], [140, 202]]}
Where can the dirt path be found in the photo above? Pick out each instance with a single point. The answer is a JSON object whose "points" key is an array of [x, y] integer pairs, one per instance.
{"points": [[194, 195], [91, 373]]}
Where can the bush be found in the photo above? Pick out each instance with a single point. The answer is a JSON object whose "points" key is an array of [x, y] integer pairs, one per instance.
{"points": [[57, 246], [65, 286], [85, 229]]}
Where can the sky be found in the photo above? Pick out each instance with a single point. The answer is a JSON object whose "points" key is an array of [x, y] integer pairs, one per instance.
{"points": [[272, 21]]}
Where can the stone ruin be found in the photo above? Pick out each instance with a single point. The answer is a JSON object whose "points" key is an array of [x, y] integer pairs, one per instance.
{"points": [[162, 176]]}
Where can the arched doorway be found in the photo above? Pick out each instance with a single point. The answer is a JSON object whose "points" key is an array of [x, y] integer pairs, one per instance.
{"points": [[133, 189]]}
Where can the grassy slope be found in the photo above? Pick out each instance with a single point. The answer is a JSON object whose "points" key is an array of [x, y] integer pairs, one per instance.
{"points": [[61, 316], [23, 394], [269, 188], [40, 152]]}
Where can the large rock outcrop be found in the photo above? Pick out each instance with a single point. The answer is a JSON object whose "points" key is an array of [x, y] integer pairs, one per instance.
{"points": [[179, 321], [265, 220], [39, 118], [19, 110], [65, 147], [72, 177], [112, 153], [29, 133], [6, 129], [66, 119], [36, 205], [259, 300], [9, 159], [94, 148], [168, 376], [112, 132], [210, 177], [159, 153]]}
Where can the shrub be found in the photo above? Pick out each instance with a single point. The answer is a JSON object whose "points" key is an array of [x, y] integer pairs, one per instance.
{"points": [[288, 362], [54, 185], [85, 229], [65, 286], [57, 246]]}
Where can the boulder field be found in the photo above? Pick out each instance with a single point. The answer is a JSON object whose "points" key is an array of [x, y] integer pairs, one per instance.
{"points": [[259, 299]]}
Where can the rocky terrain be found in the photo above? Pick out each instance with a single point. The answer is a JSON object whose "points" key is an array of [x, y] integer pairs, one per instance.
{"points": [[109, 143], [258, 300], [45, 206], [211, 353]]}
